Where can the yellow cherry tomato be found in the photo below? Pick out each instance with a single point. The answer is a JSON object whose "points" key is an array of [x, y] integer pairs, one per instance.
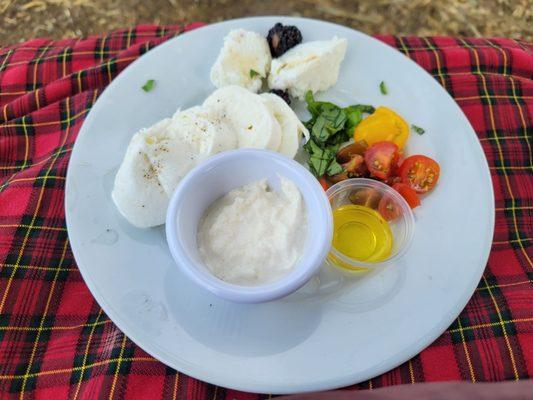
{"points": [[383, 124]]}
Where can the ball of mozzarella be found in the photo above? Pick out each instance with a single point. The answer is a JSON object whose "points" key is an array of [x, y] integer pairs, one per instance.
{"points": [[242, 53], [157, 158], [291, 126], [309, 66], [247, 115]]}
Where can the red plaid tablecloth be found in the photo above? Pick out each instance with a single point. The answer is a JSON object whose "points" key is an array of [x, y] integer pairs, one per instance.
{"points": [[55, 341]]}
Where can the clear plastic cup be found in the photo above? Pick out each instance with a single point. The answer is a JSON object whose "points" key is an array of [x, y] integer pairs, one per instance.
{"points": [[402, 227]]}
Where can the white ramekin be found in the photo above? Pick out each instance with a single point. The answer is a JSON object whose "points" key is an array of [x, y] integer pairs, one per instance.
{"points": [[217, 176]]}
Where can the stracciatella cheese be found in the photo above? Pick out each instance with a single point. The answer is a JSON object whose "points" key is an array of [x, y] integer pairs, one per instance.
{"points": [[254, 235]]}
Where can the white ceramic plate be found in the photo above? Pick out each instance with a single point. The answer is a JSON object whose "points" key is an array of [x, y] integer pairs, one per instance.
{"points": [[335, 331]]}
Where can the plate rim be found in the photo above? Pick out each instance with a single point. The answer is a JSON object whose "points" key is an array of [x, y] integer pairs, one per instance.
{"points": [[259, 387]]}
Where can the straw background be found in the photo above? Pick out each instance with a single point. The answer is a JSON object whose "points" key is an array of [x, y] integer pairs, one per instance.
{"points": [[22, 20]]}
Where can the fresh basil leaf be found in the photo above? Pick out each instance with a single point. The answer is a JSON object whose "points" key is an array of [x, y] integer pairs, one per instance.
{"points": [[311, 147], [320, 130], [333, 147], [330, 126], [366, 108], [383, 88], [338, 138], [334, 168], [309, 124], [148, 86], [312, 169], [354, 116], [319, 165], [311, 104], [327, 107], [319, 158], [254, 73], [318, 107], [418, 129], [363, 108], [320, 162], [328, 123], [337, 118]]}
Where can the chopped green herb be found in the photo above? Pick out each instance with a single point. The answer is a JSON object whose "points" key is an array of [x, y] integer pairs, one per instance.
{"points": [[418, 129], [333, 148], [327, 124], [330, 126], [317, 107], [319, 158], [355, 115], [149, 85], [312, 105], [310, 100], [254, 73], [365, 108], [383, 88], [334, 168], [339, 138]]}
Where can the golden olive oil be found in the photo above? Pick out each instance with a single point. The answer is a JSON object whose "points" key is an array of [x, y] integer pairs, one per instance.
{"points": [[361, 233]]}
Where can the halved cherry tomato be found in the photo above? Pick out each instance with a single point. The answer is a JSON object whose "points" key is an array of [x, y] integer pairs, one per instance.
{"points": [[388, 208], [338, 177], [421, 173], [324, 183], [391, 180], [346, 153], [355, 167], [353, 163], [399, 162], [365, 197], [381, 158], [408, 194]]}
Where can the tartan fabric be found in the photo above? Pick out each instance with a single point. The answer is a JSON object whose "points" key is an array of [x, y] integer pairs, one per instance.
{"points": [[55, 341]]}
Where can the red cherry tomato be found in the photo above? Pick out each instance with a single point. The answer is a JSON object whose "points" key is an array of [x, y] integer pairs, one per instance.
{"points": [[399, 162], [408, 194], [365, 197], [391, 180], [346, 153], [381, 158], [388, 208], [324, 183], [355, 167], [421, 173]]}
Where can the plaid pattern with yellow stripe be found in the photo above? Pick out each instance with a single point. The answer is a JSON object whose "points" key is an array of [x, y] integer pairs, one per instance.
{"points": [[56, 342]]}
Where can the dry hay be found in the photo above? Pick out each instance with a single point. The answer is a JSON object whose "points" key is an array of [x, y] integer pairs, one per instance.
{"points": [[21, 20]]}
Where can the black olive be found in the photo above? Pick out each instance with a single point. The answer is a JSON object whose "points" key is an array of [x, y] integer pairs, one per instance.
{"points": [[282, 38]]}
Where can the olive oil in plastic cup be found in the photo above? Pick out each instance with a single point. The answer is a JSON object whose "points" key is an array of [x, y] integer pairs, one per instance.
{"points": [[402, 227]]}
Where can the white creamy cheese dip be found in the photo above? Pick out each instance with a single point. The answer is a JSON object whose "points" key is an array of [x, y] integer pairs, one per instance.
{"points": [[254, 235]]}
